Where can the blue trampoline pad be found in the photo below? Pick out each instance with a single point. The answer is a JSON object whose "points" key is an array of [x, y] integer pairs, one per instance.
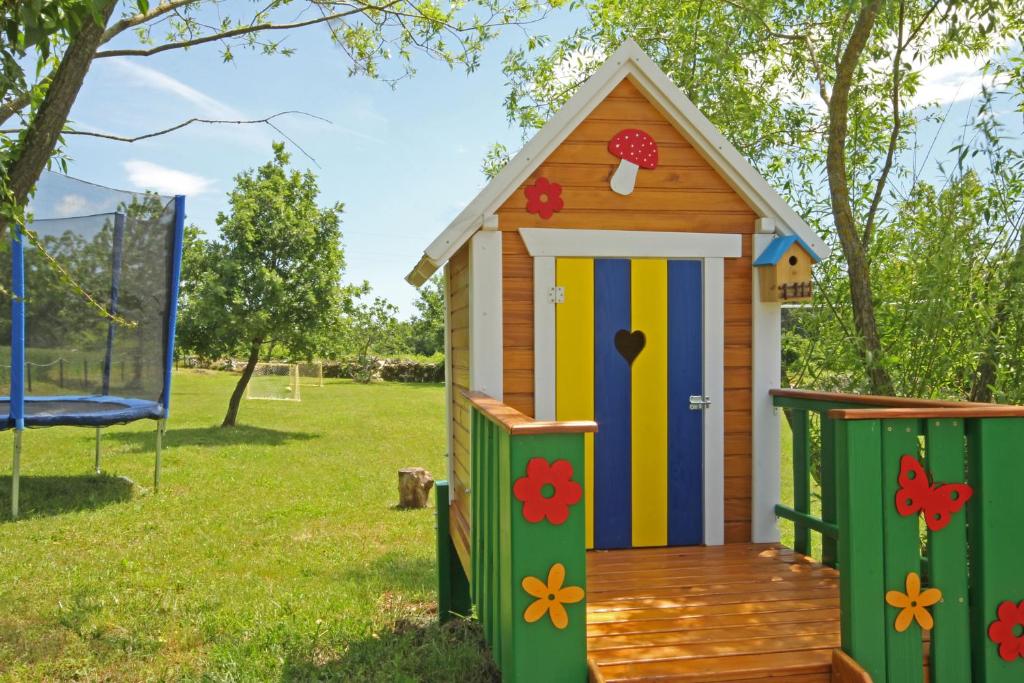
{"points": [[80, 411]]}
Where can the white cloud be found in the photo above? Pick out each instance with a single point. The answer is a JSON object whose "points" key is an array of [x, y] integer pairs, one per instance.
{"points": [[951, 81], [157, 80], [146, 175], [74, 205]]}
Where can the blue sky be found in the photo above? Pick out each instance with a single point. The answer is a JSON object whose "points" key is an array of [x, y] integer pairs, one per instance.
{"points": [[403, 161]]}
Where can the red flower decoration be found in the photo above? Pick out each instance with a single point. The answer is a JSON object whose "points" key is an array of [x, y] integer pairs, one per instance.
{"points": [[547, 490], [544, 198], [1008, 631]]}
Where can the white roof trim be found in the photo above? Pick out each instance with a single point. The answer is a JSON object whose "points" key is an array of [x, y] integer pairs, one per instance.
{"points": [[628, 60], [582, 243]]}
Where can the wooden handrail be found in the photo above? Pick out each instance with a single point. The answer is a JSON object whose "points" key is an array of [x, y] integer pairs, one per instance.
{"points": [[871, 400], [515, 422], [968, 410]]}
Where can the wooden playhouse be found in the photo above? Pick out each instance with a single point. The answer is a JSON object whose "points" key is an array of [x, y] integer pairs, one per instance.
{"points": [[613, 495]]}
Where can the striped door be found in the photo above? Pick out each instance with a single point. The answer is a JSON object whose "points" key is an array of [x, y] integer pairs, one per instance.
{"points": [[628, 353]]}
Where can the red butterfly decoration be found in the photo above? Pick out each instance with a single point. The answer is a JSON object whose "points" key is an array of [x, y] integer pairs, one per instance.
{"points": [[938, 501]]}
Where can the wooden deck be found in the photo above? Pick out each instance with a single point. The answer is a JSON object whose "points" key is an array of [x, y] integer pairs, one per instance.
{"points": [[739, 612]]}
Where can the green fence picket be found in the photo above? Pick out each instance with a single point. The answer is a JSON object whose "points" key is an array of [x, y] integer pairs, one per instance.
{"points": [[947, 553], [861, 581], [901, 553], [995, 469]]}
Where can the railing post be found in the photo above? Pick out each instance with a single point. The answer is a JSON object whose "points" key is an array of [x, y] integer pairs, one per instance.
{"points": [[861, 582], [542, 650], [452, 585], [995, 470], [829, 552], [801, 478]]}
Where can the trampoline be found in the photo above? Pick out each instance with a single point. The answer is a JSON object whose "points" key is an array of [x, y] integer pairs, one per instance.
{"points": [[69, 361]]}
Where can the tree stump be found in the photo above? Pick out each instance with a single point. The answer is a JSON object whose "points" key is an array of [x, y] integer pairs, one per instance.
{"points": [[414, 484]]}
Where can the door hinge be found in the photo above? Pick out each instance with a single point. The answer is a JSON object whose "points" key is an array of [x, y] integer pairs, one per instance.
{"points": [[556, 295], [700, 403]]}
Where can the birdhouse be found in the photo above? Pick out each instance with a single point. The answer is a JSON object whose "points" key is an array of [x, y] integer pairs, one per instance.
{"points": [[784, 270]]}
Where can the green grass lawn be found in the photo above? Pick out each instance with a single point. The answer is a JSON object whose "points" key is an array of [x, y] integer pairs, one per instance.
{"points": [[272, 552]]}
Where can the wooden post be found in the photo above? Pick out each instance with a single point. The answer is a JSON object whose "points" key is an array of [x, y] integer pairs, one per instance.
{"points": [[414, 484], [861, 581], [452, 584], [995, 469], [801, 478]]}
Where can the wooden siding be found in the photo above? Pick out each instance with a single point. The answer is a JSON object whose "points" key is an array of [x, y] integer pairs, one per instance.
{"points": [[683, 194], [458, 297]]}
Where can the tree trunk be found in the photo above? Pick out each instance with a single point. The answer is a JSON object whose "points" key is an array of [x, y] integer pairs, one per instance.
{"points": [[33, 151], [243, 382], [842, 211], [988, 364], [414, 484]]}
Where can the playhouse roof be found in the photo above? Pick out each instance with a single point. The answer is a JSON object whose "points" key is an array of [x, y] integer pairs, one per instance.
{"points": [[779, 246], [629, 60]]}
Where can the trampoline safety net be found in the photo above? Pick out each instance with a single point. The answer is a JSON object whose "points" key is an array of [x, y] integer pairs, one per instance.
{"points": [[119, 248]]}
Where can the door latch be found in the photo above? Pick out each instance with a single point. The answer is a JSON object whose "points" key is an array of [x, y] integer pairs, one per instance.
{"points": [[700, 403]]}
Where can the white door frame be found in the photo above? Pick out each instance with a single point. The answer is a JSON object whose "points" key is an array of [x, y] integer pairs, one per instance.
{"points": [[545, 245]]}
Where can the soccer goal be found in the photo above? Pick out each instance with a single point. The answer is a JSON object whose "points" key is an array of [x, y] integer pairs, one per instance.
{"points": [[311, 374], [274, 382]]}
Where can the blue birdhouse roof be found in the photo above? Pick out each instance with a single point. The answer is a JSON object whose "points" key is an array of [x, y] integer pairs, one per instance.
{"points": [[779, 246]]}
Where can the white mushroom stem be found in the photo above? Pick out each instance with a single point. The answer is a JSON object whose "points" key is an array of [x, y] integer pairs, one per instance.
{"points": [[625, 177]]}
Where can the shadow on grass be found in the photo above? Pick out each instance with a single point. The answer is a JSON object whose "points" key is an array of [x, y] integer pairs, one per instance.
{"points": [[395, 572], [207, 436], [46, 496], [417, 649]]}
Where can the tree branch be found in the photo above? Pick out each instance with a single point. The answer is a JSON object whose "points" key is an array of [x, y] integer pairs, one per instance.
{"points": [[894, 134], [131, 22], [244, 30]]}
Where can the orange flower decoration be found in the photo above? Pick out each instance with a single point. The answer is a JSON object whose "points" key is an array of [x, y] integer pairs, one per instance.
{"points": [[913, 604], [550, 597]]}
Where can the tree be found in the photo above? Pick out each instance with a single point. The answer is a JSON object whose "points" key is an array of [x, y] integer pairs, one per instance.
{"points": [[273, 275], [805, 91], [47, 48], [368, 327], [426, 329]]}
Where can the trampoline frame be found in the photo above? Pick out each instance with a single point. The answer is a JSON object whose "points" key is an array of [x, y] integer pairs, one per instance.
{"points": [[17, 394]]}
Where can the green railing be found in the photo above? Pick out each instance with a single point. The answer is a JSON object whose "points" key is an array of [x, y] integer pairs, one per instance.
{"points": [[879, 466], [528, 556], [803, 409]]}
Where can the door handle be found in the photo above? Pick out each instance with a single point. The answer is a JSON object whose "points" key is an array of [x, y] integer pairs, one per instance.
{"points": [[700, 403]]}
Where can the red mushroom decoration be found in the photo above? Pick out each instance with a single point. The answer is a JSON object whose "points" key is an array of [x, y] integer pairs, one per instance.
{"points": [[636, 149]]}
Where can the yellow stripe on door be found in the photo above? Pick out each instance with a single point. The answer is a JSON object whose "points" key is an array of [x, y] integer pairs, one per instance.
{"points": [[649, 309], [574, 360]]}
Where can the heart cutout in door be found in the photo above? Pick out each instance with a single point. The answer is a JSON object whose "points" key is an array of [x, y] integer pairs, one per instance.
{"points": [[630, 344]]}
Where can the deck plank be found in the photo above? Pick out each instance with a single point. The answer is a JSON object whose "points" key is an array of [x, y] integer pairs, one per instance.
{"points": [[739, 612]]}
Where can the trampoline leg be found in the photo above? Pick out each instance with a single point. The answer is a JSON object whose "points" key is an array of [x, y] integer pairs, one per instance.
{"points": [[97, 450], [159, 452], [16, 474]]}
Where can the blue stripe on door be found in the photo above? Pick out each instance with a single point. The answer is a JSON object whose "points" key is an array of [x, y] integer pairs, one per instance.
{"points": [[685, 426], [612, 407]]}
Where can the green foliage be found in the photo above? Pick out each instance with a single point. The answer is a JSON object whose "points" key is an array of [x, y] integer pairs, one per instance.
{"points": [[272, 276], [272, 553], [426, 328], [368, 328]]}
